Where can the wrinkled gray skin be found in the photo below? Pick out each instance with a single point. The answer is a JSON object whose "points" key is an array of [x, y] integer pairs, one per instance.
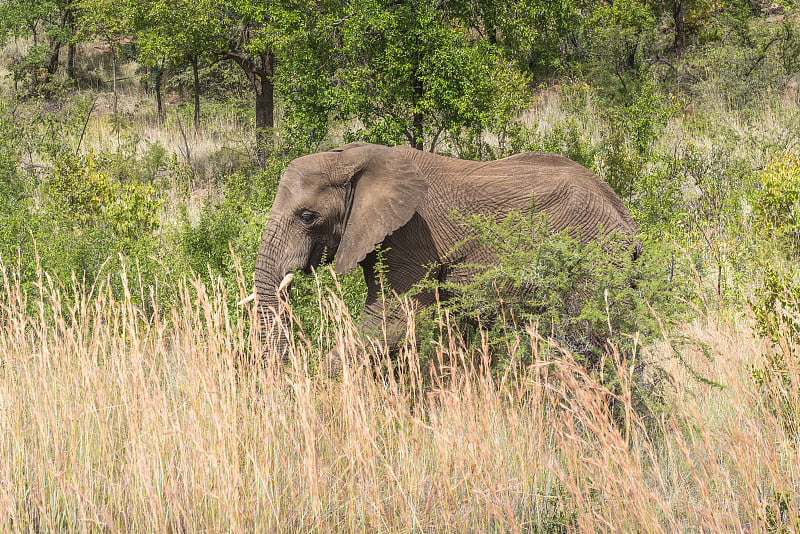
{"points": [[350, 199]]}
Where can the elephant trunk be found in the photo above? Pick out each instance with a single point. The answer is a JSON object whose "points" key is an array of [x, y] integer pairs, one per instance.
{"points": [[271, 281], [272, 316]]}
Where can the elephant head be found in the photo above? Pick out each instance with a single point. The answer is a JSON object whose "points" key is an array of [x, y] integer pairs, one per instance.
{"points": [[335, 205]]}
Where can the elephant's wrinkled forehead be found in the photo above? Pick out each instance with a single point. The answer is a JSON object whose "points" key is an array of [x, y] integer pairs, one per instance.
{"points": [[309, 171], [305, 177]]}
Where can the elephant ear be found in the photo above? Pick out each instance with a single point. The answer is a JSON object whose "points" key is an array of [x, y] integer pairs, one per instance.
{"points": [[385, 188]]}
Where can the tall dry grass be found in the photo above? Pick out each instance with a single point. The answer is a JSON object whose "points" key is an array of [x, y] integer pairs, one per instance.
{"points": [[117, 420]]}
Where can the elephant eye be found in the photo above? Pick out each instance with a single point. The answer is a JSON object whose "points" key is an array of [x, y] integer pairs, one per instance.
{"points": [[308, 217]]}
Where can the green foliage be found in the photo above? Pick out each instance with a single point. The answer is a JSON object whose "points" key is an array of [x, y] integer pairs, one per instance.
{"points": [[579, 294], [308, 295], [134, 214], [88, 217], [568, 140], [50, 24], [633, 127], [80, 194], [619, 37], [591, 299], [78, 190], [133, 163], [776, 204], [778, 294], [412, 71], [169, 32], [13, 200], [206, 244], [710, 216], [10, 139], [742, 69], [30, 68], [231, 224]]}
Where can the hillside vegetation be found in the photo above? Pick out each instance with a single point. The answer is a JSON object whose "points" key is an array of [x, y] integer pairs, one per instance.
{"points": [[141, 144]]}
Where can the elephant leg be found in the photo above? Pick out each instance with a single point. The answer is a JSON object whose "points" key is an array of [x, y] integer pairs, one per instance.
{"points": [[384, 318]]}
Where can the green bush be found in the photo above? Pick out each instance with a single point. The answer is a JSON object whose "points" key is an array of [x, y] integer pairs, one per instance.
{"points": [[205, 246], [580, 294], [750, 64], [776, 205], [134, 214], [89, 225], [78, 190], [633, 128], [566, 139], [715, 187], [234, 223], [80, 194], [13, 199], [594, 300]]}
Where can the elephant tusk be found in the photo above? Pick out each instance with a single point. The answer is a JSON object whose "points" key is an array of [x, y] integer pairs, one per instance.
{"points": [[249, 298], [285, 282]]}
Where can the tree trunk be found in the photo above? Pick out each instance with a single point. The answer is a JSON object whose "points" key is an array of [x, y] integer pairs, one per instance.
{"points": [[71, 47], [417, 123], [158, 74], [114, 74], [259, 69], [196, 74], [55, 54], [265, 103], [71, 50], [52, 67], [680, 27]]}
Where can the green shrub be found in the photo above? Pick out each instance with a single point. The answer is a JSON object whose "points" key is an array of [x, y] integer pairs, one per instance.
{"points": [[566, 139], [580, 294], [30, 73], [309, 292], [595, 300], [776, 205], [777, 294], [81, 194], [13, 199], [90, 224], [633, 127], [750, 64], [77, 190], [716, 186], [205, 246], [234, 223], [134, 214]]}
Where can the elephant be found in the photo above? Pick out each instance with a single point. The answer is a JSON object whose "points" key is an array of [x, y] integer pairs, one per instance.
{"points": [[356, 202]]}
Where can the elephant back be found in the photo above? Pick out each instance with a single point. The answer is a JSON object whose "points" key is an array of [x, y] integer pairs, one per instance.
{"points": [[573, 197]]}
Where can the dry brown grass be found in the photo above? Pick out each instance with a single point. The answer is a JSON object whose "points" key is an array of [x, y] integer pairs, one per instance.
{"points": [[116, 421]]}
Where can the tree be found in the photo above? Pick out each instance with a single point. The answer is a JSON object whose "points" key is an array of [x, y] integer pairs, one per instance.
{"points": [[414, 69], [175, 32], [248, 32], [688, 17], [619, 32], [252, 34], [530, 31], [52, 19]]}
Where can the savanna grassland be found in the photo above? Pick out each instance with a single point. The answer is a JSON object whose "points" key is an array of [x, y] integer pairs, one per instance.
{"points": [[141, 144]]}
